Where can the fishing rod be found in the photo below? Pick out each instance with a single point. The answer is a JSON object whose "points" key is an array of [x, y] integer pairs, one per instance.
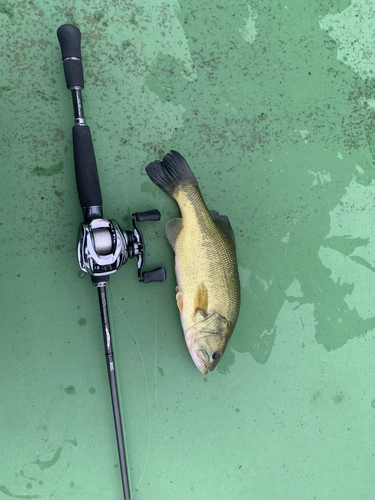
{"points": [[103, 247]]}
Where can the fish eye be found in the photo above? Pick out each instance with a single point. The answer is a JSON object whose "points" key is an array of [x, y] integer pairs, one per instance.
{"points": [[217, 355]]}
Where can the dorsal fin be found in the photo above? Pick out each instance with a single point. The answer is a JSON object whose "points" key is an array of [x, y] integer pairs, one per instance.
{"points": [[172, 230], [201, 300], [223, 223]]}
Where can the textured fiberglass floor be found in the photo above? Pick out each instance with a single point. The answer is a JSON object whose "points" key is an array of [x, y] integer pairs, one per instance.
{"points": [[273, 106]]}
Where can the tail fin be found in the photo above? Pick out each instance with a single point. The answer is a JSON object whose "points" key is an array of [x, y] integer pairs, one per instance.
{"points": [[171, 173]]}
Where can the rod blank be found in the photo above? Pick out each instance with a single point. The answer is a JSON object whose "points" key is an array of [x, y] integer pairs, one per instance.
{"points": [[113, 387]]}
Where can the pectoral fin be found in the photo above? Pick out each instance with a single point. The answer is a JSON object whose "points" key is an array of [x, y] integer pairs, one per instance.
{"points": [[179, 300], [201, 300]]}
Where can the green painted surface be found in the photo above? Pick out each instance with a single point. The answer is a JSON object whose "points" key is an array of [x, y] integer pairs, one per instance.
{"points": [[273, 106]]}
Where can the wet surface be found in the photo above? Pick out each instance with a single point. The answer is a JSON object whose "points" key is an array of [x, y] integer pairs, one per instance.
{"points": [[273, 107]]}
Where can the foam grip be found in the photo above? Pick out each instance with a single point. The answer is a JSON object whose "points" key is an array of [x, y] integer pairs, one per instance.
{"points": [[87, 177]]}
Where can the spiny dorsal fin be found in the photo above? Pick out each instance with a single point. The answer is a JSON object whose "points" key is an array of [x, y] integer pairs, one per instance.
{"points": [[223, 223], [172, 230], [201, 300]]}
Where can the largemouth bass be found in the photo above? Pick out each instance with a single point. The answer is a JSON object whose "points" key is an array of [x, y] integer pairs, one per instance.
{"points": [[208, 287]]}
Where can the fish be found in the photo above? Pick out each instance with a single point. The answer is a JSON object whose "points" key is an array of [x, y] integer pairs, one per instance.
{"points": [[208, 286]]}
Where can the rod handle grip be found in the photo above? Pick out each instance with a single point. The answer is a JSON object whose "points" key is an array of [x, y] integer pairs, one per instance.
{"points": [[87, 176], [69, 38]]}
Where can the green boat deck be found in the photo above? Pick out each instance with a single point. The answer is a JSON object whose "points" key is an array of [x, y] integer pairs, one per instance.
{"points": [[273, 106]]}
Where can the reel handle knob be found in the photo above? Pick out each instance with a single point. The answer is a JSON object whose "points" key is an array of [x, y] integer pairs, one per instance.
{"points": [[158, 274], [70, 42], [151, 215]]}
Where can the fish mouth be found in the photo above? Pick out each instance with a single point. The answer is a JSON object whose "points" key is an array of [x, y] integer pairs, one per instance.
{"points": [[200, 359]]}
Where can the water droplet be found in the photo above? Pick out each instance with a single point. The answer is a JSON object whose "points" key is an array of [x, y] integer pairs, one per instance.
{"points": [[81, 274], [82, 321], [373, 403], [99, 14], [71, 484], [49, 463], [92, 390], [205, 379], [338, 398], [47, 172], [29, 486], [70, 390], [237, 410], [161, 371], [126, 220], [74, 442]]}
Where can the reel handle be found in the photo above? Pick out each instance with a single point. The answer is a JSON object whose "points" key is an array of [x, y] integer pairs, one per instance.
{"points": [[158, 274]]}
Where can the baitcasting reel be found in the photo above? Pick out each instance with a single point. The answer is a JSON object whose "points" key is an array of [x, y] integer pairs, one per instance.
{"points": [[103, 247]]}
